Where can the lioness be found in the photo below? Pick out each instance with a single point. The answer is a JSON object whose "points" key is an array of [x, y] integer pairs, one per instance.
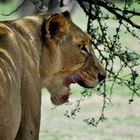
{"points": [[41, 51]]}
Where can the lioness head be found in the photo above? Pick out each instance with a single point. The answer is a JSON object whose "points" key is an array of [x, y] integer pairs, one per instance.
{"points": [[67, 57]]}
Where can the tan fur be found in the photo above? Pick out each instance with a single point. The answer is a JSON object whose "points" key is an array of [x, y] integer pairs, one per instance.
{"points": [[35, 52]]}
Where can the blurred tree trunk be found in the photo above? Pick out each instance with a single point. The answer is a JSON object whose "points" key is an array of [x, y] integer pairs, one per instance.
{"points": [[31, 7]]}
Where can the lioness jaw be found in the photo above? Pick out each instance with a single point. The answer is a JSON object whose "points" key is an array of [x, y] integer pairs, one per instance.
{"points": [[41, 51]]}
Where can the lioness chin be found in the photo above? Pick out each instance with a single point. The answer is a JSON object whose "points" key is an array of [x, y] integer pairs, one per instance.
{"points": [[41, 51]]}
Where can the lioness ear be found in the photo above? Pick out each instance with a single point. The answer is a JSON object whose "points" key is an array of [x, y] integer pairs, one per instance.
{"points": [[57, 27]]}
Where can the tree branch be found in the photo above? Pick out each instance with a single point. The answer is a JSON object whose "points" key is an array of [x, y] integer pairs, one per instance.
{"points": [[112, 10]]}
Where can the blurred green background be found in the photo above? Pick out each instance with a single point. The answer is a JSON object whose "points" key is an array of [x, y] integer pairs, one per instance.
{"points": [[123, 120]]}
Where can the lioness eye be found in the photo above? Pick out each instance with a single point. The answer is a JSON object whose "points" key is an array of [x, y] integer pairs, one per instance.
{"points": [[84, 49]]}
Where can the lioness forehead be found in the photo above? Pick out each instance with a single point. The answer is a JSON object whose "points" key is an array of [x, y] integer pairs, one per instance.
{"points": [[78, 34], [81, 37]]}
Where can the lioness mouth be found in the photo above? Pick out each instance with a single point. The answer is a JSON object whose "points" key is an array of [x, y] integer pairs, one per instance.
{"points": [[61, 92], [73, 78]]}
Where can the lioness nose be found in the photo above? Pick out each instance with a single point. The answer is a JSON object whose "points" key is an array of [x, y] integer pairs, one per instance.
{"points": [[101, 76]]}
